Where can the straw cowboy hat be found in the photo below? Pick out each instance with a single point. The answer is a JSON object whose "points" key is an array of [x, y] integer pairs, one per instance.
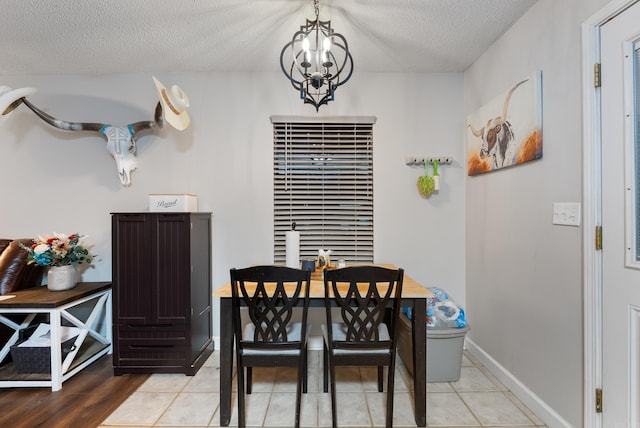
{"points": [[174, 103], [11, 98]]}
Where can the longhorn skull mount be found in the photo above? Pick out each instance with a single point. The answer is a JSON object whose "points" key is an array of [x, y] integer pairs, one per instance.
{"points": [[121, 140]]}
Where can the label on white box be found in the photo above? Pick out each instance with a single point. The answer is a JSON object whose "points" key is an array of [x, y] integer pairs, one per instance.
{"points": [[173, 203]]}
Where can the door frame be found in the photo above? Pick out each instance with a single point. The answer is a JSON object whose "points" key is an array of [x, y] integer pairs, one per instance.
{"points": [[592, 209]]}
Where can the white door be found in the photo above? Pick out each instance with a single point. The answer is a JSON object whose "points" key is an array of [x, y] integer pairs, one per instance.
{"points": [[620, 54]]}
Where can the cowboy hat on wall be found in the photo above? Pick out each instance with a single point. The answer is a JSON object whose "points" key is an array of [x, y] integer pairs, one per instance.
{"points": [[11, 98], [174, 104]]}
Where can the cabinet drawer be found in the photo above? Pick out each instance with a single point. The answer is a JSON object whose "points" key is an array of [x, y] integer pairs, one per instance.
{"points": [[169, 333], [150, 345], [150, 356]]}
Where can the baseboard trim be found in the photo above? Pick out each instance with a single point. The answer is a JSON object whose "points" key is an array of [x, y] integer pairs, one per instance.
{"points": [[541, 409]]}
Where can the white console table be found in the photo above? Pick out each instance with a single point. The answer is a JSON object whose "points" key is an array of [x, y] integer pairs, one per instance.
{"points": [[87, 306]]}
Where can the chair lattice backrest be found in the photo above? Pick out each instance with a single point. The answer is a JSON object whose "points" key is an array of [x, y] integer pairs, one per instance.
{"points": [[364, 294], [270, 294]]}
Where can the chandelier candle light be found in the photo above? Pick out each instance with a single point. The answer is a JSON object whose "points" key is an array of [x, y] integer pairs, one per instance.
{"points": [[319, 61]]}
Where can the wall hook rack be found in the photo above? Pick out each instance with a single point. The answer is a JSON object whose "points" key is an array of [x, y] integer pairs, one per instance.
{"points": [[442, 160]]}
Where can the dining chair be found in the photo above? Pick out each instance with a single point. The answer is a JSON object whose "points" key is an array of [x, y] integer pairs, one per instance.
{"points": [[368, 299], [270, 338]]}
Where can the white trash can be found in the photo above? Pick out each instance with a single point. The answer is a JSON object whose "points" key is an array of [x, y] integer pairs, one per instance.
{"points": [[444, 350]]}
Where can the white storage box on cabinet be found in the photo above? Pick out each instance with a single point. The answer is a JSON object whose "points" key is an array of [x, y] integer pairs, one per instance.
{"points": [[173, 203]]}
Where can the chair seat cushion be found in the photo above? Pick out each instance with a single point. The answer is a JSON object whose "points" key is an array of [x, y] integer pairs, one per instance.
{"points": [[293, 329], [339, 331]]}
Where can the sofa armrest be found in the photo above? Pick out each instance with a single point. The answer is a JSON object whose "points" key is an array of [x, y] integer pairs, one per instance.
{"points": [[15, 273]]}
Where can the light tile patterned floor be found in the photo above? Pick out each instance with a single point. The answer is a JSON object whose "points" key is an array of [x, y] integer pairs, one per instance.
{"points": [[175, 400]]}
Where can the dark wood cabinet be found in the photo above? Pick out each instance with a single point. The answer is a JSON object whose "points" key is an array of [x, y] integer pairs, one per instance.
{"points": [[161, 292]]}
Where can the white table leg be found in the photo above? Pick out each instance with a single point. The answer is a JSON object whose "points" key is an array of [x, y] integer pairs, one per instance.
{"points": [[56, 351], [98, 312]]}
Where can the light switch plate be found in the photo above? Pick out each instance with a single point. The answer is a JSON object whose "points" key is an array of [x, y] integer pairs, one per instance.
{"points": [[566, 213]]}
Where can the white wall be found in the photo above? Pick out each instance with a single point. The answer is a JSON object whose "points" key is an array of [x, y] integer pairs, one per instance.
{"points": [[54, 180], [524, 275]]}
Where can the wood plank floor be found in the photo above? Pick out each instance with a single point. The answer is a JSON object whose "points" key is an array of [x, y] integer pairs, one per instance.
{"points": [[84, 401]]}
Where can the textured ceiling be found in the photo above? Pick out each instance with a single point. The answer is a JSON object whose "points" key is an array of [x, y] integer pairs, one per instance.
{"points": [[98, 36]]}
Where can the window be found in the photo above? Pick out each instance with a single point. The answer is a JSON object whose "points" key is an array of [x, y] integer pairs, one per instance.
{"points": [[323, 181]]}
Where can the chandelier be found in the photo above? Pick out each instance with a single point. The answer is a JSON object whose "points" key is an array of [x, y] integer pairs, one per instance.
{"points": [[318, 61]]}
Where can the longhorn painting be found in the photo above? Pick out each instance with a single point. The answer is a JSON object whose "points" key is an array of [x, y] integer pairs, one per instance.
{"points": [[506, 131]]}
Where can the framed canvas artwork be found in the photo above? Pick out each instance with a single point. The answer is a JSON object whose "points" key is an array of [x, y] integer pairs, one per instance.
{"points": [[507, 130]]}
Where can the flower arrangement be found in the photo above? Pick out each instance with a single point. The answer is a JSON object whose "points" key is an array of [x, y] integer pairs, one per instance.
{"points": [[58, 250]]}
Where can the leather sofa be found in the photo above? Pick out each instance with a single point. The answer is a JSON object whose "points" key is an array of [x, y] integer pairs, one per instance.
{"points": [[15, 273]]}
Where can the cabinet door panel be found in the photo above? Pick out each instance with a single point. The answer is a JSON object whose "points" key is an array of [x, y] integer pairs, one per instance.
{"points": [[173, 268], [132, 267]]}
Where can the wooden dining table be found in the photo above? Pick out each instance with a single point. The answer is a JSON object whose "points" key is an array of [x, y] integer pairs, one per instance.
{"points": [[414, 295]]}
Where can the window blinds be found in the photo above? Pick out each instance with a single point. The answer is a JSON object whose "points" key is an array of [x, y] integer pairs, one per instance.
{"points": [[323, 181]]}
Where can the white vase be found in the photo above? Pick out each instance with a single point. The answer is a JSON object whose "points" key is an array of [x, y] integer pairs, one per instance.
{"points": [[61, 278]]}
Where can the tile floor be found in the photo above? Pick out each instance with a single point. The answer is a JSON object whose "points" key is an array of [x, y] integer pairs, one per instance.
{"points": [[174, 400]]}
